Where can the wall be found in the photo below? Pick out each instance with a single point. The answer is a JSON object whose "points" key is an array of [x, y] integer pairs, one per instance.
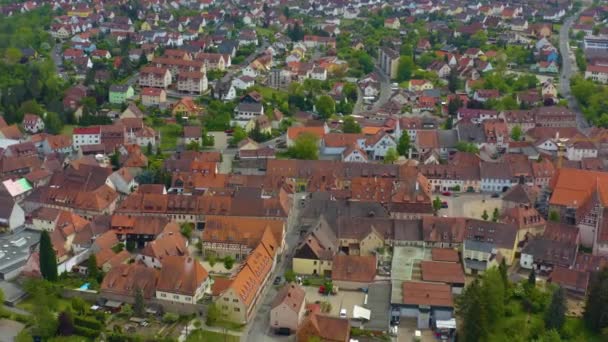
{"points": [[307, 266]]}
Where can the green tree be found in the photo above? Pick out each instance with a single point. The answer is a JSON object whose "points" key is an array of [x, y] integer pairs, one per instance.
{"points": [[139, 307], [553, 216], [66, 324], [52, 123], [493, 293], [555, 316], [485, 215], [193, 146], [471, 308], [186, 229], [213, 314], [495, 215], [454, 105], [131, 245], [79, 305], [92, 268], [48, 258], [305, 147], [596, 304], [436, 204], [502, 269], [391, 156], [350, 125], [228, 262], [532, 278], [238, 135], [464, 146], [405, 68], [404, 144], [326, 106], [516, 133], [453, 80]]}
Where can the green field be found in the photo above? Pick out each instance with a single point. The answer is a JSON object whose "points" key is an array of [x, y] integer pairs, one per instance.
{"points": [[206, 335], [169, 134]]}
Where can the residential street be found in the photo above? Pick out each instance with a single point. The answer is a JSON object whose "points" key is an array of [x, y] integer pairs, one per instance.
{"points": [[385, 94], [569, 69]]}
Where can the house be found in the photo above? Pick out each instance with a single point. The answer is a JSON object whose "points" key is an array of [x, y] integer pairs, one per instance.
{"points": [[192, 134], [444, 272], [32, 123], [153, 97], [598, 73], [57, 143], [192, 82], [186, 107], [557, 247], [248, 110], [288, 307], [378, 145], [120, 283], [11, 132], [86, 136], [314, 255], [120, 93], [483, 95], [486, 244], [392, 23], [325, 328], [132, 111], [318, 73], [546, 67], [243, 82], [168, 243], [295, 131], [182, 279], [495, 177], [572, 280], [352, 272], [123, 181], [12, 215], [155, 77], [420, 85]]}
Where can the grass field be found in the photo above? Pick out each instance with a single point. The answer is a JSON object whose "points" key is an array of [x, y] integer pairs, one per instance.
{"points": [[169, 134], [67, 130], [62, 304], [206, 335]]}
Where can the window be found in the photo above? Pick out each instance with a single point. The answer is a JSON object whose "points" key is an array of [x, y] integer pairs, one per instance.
{"points": [[314, 262], [163, 295], [175, 296], [225, 299], [235, 300]]}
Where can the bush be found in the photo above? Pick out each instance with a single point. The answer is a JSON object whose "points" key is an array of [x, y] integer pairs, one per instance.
{"points": [[228, 262], [87, 322], [170, 317], [290, 276], [86, 332], [306, 282]]}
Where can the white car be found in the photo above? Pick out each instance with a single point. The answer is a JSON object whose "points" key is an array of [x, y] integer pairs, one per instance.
{"points": [[342, 313]]}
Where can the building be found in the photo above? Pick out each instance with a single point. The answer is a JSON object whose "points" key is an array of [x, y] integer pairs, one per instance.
{"points": [[596, 43], [120, 93], [153, 97], [120, 283], [182, 279], [288, 307], [352, 272], [597, 73], [192, 82], [426, 302], [17, 249], [388, 61], [186, 107], [315, 254], [12, 215], [486, 243], [155, 77], [32, 123], [326, 328]]}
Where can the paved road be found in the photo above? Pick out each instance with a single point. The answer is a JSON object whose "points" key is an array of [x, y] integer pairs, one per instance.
{"points": [[569, 69], [385, 94], [259, 328], [58, 60]]}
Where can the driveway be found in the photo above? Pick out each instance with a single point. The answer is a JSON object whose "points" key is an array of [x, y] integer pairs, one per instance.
{"points": [[342, 300]]}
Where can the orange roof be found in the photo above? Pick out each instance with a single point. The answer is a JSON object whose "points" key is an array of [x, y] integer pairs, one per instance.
{"points": [[294, 132], [181, 274], [248, 231], [445, 272], [421, 293], [370, 130], [573, 187]]}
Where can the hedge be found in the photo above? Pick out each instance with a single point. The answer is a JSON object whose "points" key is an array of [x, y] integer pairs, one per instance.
{"points": [[87, 322], [86, 332]]}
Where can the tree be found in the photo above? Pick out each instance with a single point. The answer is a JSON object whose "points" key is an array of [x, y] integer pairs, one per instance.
{"points": [[516, 133], [437, 204], [186, 229], [493, 293], [66, 324], [193, 146], [92, 267], [238, 135], [139, 307], [485, 215], [472, 310], [350, 125], [453, 80], [290, 275], [495, 215], [79, 305], [403, 146], [464, 146], [532, 278], [48, 258], [326, 106], [213, 314], [52, 123], [553, 216], [405, 68], [130, 245], [502, 269], [228, 262], [555, 316], [454, 105], [305, 147], [391, 156], [596, 305], [114, 160]]}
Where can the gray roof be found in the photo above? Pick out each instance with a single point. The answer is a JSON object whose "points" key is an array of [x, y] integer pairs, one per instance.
{"points": [[378, 302], [479, 246], [15, 249], [551, 252], [447, 138], [249, 107], [470, 132], [321, 204], [119, 88], [491, 170], [476, 264]]}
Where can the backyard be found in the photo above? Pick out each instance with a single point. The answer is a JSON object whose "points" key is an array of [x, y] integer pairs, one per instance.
{"points": [[206, 335]]}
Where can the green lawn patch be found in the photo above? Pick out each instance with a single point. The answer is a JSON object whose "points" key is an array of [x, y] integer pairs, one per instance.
{"points": [[267, 93], [206, 335], [28, 304], [169, 135], [67, 130]]}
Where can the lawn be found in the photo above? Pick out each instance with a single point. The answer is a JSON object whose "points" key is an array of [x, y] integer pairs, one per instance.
{"points": [[28, 305], [67, 130], [168, 136], [267, 93], [206, 335]]}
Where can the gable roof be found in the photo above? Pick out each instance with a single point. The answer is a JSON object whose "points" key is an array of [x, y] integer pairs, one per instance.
{"points": [[354, 268], [181, 274]]}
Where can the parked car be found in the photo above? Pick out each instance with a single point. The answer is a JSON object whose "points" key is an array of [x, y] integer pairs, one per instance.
{"points": [[322, 289], [342, 313], [495, 195], [444, 204], [283, 331], [446, 193], [276, 281]]}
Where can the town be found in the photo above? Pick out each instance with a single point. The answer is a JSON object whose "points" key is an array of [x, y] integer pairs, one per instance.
{"points": [[365, 170]]}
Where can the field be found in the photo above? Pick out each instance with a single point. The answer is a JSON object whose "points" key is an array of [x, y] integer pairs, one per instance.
{"points": [[206, 335], [169, 134]]}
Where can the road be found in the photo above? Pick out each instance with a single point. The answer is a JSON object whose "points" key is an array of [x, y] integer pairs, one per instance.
{"points": [[58, 60], [569, 69], [246, 62], [259, 328]]}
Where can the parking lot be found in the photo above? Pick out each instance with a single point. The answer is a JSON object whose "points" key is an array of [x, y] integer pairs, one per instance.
{"points": [[470, 205], [342, 300]]}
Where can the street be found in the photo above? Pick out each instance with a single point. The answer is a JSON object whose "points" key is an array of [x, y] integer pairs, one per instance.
{"points": [[259, 328], [569, 69], [385, 94]]}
